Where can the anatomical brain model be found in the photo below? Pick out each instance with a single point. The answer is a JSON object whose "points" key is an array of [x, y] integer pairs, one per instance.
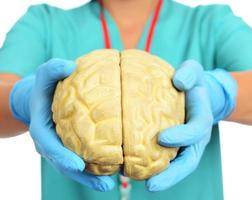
{"points": [[112, 108]]}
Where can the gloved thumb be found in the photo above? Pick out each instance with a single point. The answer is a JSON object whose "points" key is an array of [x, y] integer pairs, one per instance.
{"points": [[51, 72], [189, 74]]}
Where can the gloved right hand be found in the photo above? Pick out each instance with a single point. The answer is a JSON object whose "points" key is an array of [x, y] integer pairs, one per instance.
{"points": [[210, 97], [30, 102]]}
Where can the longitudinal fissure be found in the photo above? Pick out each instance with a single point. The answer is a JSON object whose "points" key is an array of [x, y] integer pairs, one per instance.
{"points": [[121, 85]]}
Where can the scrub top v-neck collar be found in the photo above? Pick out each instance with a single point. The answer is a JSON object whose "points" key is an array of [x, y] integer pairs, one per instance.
{"points": [[115, 37]]}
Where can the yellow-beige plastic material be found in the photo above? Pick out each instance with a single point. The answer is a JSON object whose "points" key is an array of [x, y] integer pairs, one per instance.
{"points": [[111, 109]]}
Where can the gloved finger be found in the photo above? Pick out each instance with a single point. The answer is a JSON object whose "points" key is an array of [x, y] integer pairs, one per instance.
{"points": [[199, 121], [100, 183], [179, 168], [189, 74], [71, 165], [49, 146], [51, 72]]}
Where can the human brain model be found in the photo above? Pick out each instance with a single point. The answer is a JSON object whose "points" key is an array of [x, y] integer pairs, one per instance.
{"points": [[111, 109]]}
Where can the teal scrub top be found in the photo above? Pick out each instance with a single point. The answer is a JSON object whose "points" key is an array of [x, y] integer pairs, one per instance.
{"points": [[211, 34]]}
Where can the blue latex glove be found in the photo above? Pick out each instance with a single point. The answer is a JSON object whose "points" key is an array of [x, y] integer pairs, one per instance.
{"points": [[30, 102], [210, 97]]}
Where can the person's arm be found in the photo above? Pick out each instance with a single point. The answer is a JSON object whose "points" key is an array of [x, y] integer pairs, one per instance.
{"points": [[243, 110], [233, 38], [29, 100], [9, 126], [23, 50]]}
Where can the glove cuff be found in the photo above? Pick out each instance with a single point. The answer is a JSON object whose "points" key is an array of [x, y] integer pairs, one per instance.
{"points": [[19, 99], [229, 89]]}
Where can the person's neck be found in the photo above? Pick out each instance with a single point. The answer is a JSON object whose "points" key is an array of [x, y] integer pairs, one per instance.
{"points": [[130, 17], [128, 11]]}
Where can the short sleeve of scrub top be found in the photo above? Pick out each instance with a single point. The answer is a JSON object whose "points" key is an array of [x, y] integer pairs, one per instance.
{"points": [[25, 44], [233, 42], [212, 35]]}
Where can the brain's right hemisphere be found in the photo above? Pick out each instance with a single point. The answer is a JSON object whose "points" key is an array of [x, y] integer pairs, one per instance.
{"points": [[112, 108]]}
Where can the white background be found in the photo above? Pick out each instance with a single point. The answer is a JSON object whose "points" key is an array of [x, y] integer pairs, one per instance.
{"points": [[20, 164]]}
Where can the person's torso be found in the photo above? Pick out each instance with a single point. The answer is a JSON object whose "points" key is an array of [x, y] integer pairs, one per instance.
{"points": [[181, 33]]}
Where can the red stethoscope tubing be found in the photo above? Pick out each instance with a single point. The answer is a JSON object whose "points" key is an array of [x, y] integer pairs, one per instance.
{"points": [[107, 41]]}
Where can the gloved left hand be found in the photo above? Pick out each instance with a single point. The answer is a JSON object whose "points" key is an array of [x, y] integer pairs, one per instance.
{"points": [[210, 97]]}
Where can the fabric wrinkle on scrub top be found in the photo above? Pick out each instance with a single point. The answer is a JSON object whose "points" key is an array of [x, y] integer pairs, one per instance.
{"points": [[212, 35]]}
